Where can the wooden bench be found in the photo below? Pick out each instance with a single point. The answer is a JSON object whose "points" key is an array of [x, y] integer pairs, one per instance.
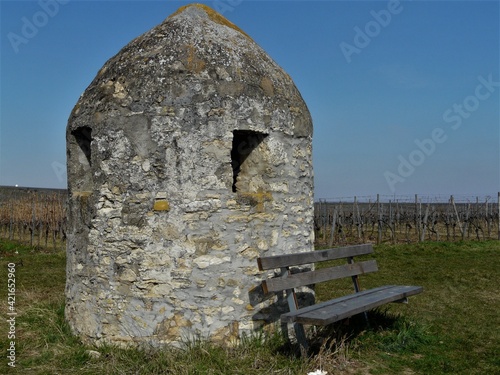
{"points": [[336, 309]]}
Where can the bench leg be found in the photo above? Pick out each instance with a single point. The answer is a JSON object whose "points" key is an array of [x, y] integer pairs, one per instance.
{"points": [[301, 338], [293, 305], [366, 317]]}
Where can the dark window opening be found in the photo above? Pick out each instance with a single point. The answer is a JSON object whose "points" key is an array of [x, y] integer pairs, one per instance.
{"points": [[80, 160], [83, 137], [244, 143]]}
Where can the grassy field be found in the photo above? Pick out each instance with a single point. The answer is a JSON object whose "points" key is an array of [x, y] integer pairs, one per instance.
{"points": [[452, 328]]}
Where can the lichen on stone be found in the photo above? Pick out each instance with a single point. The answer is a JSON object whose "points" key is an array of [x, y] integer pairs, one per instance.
{"points": [[213, 15]]}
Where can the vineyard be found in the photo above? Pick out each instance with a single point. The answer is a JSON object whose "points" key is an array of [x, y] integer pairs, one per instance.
{"points": [[38, 217], [405, 219], [33, 216]]}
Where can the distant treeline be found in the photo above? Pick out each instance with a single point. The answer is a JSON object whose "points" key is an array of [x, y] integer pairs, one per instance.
{"points": [[33, 215], [407, 219]]}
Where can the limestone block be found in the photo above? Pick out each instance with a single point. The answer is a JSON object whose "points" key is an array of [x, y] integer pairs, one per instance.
{"points": [[227, 335], [250, 253], [262, 244], [171, 328], [161, 289], [205, 261], [127, 275], [161, 205], [227, 309]]}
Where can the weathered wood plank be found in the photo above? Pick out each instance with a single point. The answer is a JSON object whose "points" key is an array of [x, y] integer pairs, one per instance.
{"points": [[343, 299], [341, 308], [287, 260], [313, 277]]}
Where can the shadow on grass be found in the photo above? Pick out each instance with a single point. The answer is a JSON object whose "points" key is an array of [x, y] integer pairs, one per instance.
{"points": [[380, 329], [49, 345]]}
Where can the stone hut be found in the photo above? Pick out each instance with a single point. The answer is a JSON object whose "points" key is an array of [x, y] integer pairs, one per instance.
{"points": [[189, 155]]}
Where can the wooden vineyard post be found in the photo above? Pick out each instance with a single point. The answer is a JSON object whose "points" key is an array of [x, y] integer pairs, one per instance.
{"points": [[398, 218], [434, 221], [392, 225], [53, 222], [40, 221], [379, 221], [355, 214], [338, 213], [466, 222], [334, 222], [390, 221], [325, 221], [488, 227], [417, 218], [478, 226], [456, 214], [448, 220], [316, 220], [11, 221], [424, 223], [33, 219]]}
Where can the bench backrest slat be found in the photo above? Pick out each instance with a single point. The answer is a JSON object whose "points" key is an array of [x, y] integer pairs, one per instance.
{"points": [[317, 276], [279, 261]]}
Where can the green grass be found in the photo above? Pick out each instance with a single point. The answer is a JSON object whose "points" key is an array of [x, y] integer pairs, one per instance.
{"points": [[455, 320], [451, 328]]}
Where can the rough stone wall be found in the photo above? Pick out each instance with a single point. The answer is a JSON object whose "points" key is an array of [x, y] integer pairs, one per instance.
{"points": [[189, 156]]}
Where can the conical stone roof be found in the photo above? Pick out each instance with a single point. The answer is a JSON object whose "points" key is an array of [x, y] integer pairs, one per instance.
{"points": [[197, 61]]}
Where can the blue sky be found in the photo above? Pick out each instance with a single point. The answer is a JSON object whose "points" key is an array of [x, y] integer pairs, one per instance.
{"points": [[404, 95]]}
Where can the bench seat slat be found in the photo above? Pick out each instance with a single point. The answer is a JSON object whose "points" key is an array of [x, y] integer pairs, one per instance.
{"points": [[317, 276], [332, 302], [296, 259], [343, 307]]}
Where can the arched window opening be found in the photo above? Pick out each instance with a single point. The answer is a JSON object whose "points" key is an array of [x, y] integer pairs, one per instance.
{"points": [[83, 137], [81, 158], [243, 156]]}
